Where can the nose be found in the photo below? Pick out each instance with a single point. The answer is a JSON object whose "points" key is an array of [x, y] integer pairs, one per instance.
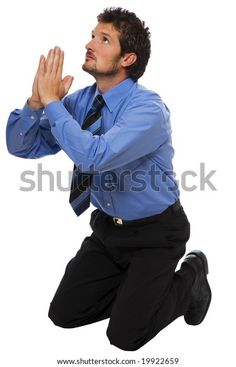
{"points": [[90, 45]]}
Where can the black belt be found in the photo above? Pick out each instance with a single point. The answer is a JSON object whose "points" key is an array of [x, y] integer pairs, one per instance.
{"points": [[162, 216]]}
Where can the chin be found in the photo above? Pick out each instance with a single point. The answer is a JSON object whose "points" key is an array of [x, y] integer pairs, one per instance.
{"points": [[85, 66], [88, 69]]}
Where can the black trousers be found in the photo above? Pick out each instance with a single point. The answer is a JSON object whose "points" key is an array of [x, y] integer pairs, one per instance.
{"points": [[127, 274]]}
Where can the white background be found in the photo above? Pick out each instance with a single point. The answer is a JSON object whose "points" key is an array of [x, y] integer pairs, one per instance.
{"points": [[192, 67]]}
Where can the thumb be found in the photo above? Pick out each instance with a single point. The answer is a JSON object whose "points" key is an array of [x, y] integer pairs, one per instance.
{"points": [[67, 82]]}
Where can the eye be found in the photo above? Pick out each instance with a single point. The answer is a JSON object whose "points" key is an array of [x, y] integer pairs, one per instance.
{"points": [[105, 40]]}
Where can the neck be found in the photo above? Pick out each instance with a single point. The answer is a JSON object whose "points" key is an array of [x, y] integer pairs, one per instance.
{"points": [[104, 83]]}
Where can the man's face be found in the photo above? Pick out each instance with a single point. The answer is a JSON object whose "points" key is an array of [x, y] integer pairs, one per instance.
{"points": [[103, 52]]}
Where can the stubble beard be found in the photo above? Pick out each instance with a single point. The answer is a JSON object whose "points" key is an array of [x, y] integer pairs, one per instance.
{"points": [[96, 73]]}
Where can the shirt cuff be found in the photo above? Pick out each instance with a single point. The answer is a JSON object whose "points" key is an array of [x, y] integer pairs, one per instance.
{"points": [[56, 110], [27, 111]]}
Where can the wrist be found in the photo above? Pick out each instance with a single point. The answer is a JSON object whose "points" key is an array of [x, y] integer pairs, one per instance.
{"points": [[48, 100], [34, 104]]}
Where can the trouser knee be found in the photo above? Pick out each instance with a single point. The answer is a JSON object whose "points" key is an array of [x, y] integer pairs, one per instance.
{"points": [[59, 317], [123, 338], [67, 316]]}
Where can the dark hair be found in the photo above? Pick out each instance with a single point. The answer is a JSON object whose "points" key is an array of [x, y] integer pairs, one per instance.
{"points": [[134, 37]]}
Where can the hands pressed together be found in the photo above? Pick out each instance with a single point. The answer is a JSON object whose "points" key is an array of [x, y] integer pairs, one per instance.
{"points": [[48, 84]]}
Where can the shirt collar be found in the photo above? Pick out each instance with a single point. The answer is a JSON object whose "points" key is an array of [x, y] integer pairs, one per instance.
{"points": [[116, 94]]}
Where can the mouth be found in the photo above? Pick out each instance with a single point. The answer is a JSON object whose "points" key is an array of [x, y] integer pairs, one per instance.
{"points": [[89, 56]]}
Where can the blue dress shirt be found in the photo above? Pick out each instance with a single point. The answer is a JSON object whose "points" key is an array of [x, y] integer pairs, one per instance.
{"points": [[131, 159]]}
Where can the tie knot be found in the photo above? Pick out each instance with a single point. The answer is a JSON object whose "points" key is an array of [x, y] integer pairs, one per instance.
{"points": [[98, 102]]}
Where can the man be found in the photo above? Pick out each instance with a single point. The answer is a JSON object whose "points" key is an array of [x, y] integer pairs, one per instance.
{"points": [[118, 135]]}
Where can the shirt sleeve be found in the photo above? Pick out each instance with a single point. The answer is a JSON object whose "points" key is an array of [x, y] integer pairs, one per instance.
{"points": [[140, 130], [28, 133]]}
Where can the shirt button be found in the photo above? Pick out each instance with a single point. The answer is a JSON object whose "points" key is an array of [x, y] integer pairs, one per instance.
{"points": [[108, 204], [21, 134], [32, 117]]}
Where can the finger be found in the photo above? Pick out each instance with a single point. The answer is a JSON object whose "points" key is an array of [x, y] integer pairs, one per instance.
{"points": [[40, 60], [60, 65], [57, 53], [42, 65], [49, 61], [48, 55], [38, 67]]}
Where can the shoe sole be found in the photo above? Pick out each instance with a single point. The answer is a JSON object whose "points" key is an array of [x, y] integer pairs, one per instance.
{"points": [[204, 261]]}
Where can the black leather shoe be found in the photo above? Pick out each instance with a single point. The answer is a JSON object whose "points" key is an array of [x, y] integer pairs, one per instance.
{"points": [[201, 292]]}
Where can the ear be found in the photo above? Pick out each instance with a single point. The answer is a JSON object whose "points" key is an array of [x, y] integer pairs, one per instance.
{"points": [[128, 59]]}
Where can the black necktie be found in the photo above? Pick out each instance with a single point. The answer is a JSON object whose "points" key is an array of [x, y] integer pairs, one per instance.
{"points": [[80, 185]]}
